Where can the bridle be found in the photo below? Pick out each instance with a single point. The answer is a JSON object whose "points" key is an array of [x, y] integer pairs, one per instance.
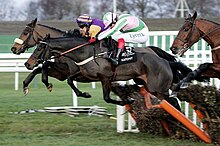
{"points": [[25, 43], [43, 54], [205, 35], [185, 41]]}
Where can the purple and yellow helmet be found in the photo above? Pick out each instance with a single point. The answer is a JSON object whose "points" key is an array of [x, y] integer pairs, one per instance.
{"points": [[84, 20]]}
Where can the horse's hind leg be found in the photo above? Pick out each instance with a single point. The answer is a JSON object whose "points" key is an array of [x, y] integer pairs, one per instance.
{"points": [[172, 100], [29, 79], [76, 90]]}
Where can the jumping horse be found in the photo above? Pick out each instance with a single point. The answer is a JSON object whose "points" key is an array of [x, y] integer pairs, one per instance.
{"points": [[191, 32], [31, 36], [150, 70]]}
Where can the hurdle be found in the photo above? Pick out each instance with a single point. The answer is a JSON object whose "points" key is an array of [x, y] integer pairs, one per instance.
{"points": [[172, 111]]}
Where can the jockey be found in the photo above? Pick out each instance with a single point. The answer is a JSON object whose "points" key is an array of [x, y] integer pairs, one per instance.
{"points": [[90, 27], [125, 28]]}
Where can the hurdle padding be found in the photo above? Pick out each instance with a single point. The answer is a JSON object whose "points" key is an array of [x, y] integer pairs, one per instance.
{"points": [[185, 121]]}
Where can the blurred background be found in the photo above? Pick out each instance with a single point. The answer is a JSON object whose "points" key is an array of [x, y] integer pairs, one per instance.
{"points": [[21, 10]]}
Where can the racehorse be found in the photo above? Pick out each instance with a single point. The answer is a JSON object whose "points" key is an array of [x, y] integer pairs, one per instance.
{"points": [[153, 72], [191, 32], [32, 35]]}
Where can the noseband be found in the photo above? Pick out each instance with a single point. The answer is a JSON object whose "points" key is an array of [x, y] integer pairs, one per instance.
{"points": [[25, 43]]}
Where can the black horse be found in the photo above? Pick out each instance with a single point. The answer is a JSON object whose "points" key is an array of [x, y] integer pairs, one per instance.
{"points": [[32, 34], [150, 70]]}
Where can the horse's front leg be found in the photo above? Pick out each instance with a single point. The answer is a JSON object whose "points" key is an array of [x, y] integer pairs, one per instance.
{"points": [[196, 74], [70, 80], [29, 79], [106, 88], [44, 77]]}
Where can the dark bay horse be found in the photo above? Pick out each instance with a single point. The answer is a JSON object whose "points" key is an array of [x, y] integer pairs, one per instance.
{"points": [[191, 32], [31, 36], [153, 72]]}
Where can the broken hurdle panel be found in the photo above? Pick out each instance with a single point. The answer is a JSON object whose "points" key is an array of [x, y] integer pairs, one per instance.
{"points": [[185, 121]]}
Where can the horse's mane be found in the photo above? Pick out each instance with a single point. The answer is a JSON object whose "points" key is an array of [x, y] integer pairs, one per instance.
{"points": [[52, 28], [163, 54], [209, 21]]}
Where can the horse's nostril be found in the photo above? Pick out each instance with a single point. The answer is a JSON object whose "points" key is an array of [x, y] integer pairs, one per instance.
{"points": [[13, 49], [26, 65], [172, 48]]}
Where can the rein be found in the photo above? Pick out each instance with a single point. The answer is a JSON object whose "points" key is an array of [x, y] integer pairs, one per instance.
{"points": [[74, 48]]}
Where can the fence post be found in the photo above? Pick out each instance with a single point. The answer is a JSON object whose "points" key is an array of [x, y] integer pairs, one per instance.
{"points": [[75, 98], [16, 78], [120, 119]]}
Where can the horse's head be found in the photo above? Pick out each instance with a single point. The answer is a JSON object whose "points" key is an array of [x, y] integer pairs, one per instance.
{"points": [[187, 36], [40, 54], [26, 39]]}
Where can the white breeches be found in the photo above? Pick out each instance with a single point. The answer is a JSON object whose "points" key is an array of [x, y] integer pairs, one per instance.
{"points": [[141, 36]]}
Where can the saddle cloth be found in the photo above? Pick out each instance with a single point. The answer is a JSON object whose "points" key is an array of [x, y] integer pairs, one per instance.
{"points": [[128, 55]]}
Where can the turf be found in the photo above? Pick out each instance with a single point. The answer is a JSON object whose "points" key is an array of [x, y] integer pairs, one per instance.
{"points": [[50, 129]]}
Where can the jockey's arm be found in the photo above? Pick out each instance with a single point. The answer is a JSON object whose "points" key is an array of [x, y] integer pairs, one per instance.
{"points": [[94, 30], [118, 26]]}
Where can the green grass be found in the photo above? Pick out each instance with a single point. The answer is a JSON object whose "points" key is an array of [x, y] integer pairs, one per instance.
{"points": [[50, 129]]}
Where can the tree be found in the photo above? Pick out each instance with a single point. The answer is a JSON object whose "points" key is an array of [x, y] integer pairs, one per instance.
{"points": [[124, 6], [79, 7], [100, 7], [54, 9], [33, 10], [142, 7]]}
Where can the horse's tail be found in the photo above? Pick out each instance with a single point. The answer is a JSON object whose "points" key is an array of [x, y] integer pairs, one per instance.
{"points": [[179, 69], [163, 54]]}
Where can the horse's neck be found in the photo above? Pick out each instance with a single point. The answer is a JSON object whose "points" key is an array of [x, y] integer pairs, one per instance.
{"points": [[41, 31], [79, 54], [211, 32]]}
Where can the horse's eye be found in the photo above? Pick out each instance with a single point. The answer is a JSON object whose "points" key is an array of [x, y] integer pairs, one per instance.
{"points": [[186, 29], [25, 33], [39, 48]]}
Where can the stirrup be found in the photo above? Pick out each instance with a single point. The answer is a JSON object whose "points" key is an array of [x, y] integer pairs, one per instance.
{"points": [[114, 61]]}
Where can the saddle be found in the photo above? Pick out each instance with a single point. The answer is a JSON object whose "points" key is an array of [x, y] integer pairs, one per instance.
{"points": [[127, 56]]}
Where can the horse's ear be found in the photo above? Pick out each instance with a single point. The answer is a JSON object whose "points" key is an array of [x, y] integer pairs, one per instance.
{"points": [[33, 23], [47, 36], [35, 20], [189, 16], [194, 15]]}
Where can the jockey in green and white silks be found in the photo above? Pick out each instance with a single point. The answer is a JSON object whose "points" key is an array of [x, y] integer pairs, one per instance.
{"points": [[124, 29]]}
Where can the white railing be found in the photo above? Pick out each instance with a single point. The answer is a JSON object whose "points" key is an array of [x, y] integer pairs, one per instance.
{"points": [[14, 63]]}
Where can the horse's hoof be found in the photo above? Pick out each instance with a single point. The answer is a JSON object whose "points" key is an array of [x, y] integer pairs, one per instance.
{"points": [[50, 87], [25, 91], [173, 94], [129, 100], [184, 85], [86, 95]]}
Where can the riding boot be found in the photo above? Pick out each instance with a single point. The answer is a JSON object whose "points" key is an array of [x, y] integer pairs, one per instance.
{"points": [[121, 45], [115, 60]]}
